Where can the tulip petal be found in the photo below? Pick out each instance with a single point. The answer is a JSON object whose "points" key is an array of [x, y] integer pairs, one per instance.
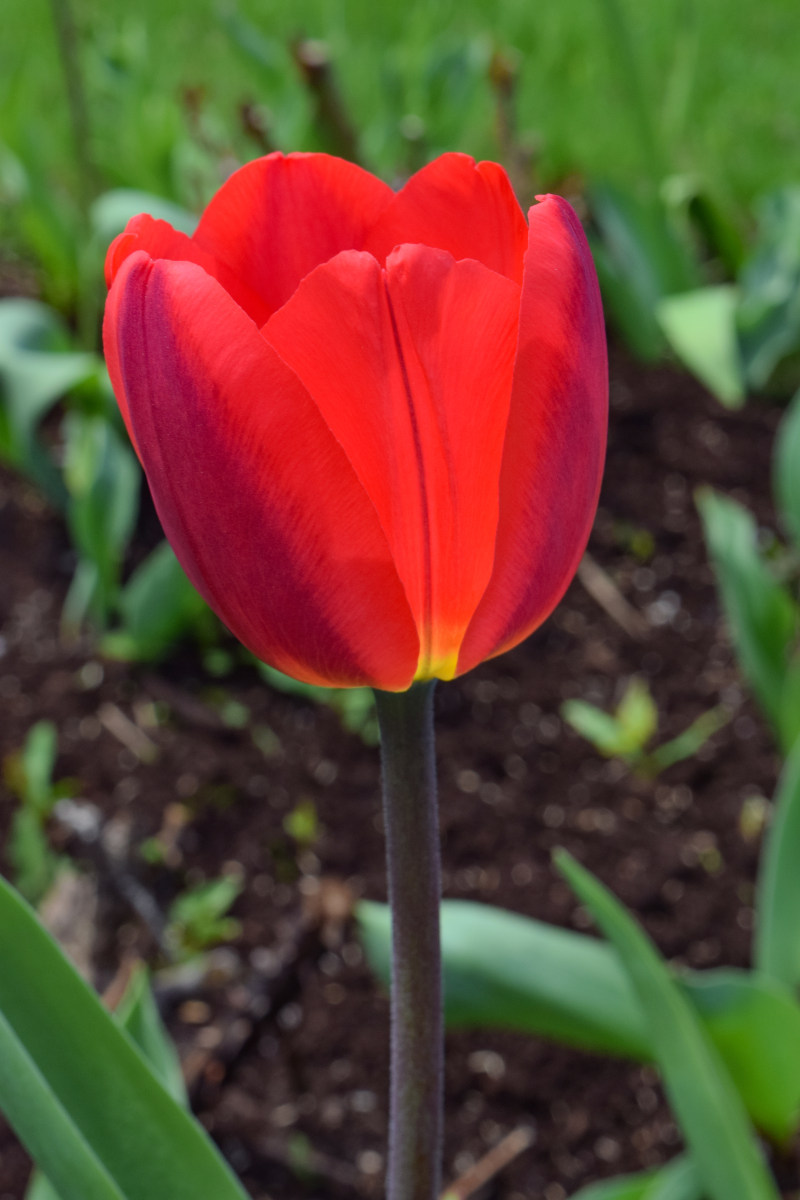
{"points": [[555, 443], [411, 368], [458, 205], [159, 240], [257, 499], [278, 217]]}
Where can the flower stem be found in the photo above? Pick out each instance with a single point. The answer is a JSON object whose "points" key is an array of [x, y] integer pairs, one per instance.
{"points": [[412, 855]]}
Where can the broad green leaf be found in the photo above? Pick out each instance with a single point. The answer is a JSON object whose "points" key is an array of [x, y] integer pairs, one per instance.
{"points": [[505, 971], [700, 326], [708, 1108], [111, 212], [754, 1022], [761, 613], [158, 607], [677, 1181], [79, 1094], [777, 936], [786, 471], [138, 1015]]}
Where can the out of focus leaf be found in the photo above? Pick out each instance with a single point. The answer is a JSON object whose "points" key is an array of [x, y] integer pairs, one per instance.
{"points": [[769, 311], [505, 971], [79, 1094], [158, 606], [637, 714], [103, 480], [786, 470], [700, 326], [640, 259], [754, 1023], [677, 1181], [37, 368], [761, 613], [111, 212], [708, 1108], [777, 936]]}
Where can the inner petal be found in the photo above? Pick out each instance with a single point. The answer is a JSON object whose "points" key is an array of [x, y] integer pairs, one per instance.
{"points": [[411, 367]]}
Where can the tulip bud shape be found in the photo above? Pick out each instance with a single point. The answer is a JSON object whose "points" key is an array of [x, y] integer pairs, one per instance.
{"points": [[373, 422]]}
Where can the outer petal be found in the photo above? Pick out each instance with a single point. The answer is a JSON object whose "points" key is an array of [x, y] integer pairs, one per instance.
{"points": [[278, 217], [159, 240], [555, 444], [257, 499], [411, 367], [458, 205]]}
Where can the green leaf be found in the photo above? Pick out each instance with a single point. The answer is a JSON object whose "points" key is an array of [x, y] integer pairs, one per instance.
{"points": [[158, 606], [786, 470], [640, 259], [111, 212], [38, 760], [700, 326], [761, 613], [686, 744], [754, 1022], [37, 367], [706, 1104], [677, 1181], [769, 311], [104, 481], [505, 971], [637, 715], [777, 936], [598, 727], [138, 1015], [80, 1096]]}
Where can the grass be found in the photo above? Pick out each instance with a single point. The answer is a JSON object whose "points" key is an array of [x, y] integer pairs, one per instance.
{"points": [[706, 82]]}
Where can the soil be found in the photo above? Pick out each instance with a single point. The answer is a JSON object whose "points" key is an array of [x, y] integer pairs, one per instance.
{"points": [[284, 1034]]}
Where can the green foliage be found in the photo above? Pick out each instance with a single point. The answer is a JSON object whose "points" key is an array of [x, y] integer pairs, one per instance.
{"points": [[708, 1107], [505, 971], [626, 733], [122, 1138], [138, 1015], [157, 607], [677, 1181], [302, 824], [700, 326], [198, 917], [29, 775], [103, 483], [763, 616], [38, 366], [777, 939]]}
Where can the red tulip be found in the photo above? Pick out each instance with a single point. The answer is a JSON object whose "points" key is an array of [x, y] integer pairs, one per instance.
{"points": [[373, 423]]}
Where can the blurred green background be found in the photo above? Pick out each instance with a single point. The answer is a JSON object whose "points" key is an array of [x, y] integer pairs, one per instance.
{"points": [[173, 95]]}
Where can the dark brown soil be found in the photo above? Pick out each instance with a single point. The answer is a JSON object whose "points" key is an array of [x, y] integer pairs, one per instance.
{"points": [[514, 783]]}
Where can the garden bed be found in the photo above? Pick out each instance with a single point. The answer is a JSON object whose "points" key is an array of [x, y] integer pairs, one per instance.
{"points": [[285, 1037]]}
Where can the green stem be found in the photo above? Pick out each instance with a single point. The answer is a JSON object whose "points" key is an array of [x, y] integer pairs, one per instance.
{"points": [[412, 855]]}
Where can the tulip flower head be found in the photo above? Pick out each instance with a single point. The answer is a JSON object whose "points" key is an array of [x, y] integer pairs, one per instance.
{"points": [[373, 422]]}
